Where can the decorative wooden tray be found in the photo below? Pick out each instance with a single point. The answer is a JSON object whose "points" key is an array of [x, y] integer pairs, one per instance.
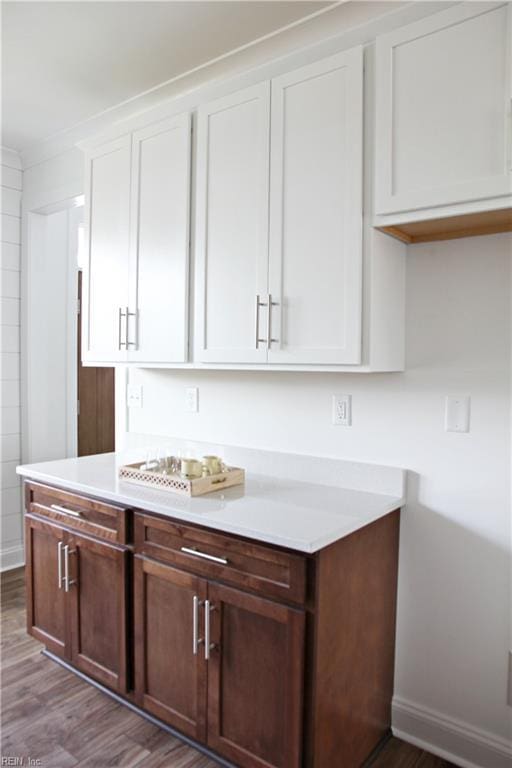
{"points": [[175, 483]]}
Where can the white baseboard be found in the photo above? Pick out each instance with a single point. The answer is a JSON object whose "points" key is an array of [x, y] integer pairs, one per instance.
{"points": [[453, 740], [12, 557]]}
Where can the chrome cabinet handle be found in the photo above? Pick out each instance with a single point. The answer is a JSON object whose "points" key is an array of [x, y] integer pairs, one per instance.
{"points": [[208, 646], [269, 324], [204, 555], [67, 581], [195, 622], [129, 343], [259, 304], [509, 133], [59, 564], [65, 510], [121, 344], [196, 640], [66, 568]]}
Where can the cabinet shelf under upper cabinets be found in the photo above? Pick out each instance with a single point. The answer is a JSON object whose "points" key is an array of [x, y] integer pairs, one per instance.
{"points": [[444, 121]]}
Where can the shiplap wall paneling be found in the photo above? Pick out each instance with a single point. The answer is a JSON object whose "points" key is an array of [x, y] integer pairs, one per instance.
{"points": [[11, 537]]}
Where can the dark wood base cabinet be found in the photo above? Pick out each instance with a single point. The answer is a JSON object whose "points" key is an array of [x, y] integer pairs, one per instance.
{"points": [[269, 658]]}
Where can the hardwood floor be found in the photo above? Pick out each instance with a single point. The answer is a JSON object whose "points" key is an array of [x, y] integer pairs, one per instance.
{"points": [[49, 714]]}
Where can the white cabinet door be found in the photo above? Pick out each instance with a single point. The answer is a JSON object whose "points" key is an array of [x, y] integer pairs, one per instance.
{"points": [[443, 109], [315, 268], [106, 276], [158, 320], [232, 226]]}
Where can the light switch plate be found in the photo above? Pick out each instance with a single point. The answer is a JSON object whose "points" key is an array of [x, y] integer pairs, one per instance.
{"points": [[134, 396], [457, 412]]}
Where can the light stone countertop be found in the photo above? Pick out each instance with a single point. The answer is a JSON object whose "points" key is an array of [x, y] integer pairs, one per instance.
{"points": [[303, 516]]}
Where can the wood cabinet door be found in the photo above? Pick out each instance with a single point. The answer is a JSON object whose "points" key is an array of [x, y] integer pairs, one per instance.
{"points": [[160, 242], [315, 262], [255, 679], [96, 399], [443, 101], [98, 609], [46, 599], [232, 226], [106, 275], [170, 671]]}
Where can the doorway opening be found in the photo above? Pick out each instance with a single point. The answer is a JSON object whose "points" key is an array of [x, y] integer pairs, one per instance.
{"points": [[96, 400], [69, 409]]}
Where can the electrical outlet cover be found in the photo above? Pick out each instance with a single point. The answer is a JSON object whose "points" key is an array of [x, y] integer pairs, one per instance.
{"points": [[134, 396], [192, 399], [342, 410]]}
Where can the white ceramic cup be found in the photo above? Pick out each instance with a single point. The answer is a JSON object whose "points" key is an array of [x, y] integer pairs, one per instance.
{"points": [[212, 464], [191, 468]]}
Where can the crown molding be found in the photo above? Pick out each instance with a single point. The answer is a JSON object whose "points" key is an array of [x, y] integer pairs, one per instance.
{"points": [[338, 26], [10, 158], [68, 138]]}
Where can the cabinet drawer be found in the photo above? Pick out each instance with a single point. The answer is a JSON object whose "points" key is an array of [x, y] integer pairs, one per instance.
{"points": [[89, 516], [270, 572]]}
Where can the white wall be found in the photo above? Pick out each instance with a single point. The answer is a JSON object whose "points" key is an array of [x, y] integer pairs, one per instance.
{"points": [[454, 588], [11, 552]]}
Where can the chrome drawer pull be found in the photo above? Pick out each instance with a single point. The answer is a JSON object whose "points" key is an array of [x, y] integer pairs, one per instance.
{"points": [[65, 510], [204, 555]]}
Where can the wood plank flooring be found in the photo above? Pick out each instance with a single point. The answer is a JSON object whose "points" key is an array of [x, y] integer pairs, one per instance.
{"points": [[50, 715]]}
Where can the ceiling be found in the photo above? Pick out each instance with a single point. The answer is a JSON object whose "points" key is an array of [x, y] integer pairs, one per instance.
{"points": [[63, 62]]}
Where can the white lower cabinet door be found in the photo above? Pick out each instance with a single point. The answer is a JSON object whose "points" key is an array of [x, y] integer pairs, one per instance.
{"points": [[158, 319], [232, 227], [106, 274], [315, 260]]}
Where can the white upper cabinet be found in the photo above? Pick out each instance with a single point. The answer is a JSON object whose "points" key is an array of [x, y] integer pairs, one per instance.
{"points": [[443, 132], [315, 265], [297, 301], [160, 242], [106, 278], [288, 272], [136, 282], [232, 227]]}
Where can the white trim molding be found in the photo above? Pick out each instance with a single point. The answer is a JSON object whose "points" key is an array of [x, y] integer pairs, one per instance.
{"points": [[339, 26], [12, 557], [451, 739], [10, 158]]}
